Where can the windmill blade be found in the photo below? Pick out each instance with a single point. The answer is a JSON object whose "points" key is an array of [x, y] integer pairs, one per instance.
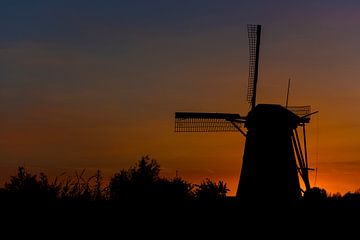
{"points": [[254, 33], [208, 122], [302, 111]]}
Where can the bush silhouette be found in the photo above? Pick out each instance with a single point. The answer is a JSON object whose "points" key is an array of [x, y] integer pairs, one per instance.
{"points": [[83, 188], [208, 190], [26, 186], [315, 197], [173, 190]]}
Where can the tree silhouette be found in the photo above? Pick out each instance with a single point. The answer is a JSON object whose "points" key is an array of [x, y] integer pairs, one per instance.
{"points": [[120, 185], [137, 182], [143, 183], [28, 187]]}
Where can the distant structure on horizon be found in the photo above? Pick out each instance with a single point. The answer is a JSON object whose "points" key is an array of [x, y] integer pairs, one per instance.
{"points": [[274, 156]]}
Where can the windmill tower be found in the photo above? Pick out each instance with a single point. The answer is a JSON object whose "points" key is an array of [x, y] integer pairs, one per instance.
{"points": [[274, 157]]}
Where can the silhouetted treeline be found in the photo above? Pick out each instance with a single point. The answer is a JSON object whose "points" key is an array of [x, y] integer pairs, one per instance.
{"points": [[140, 183], [140, 196]]}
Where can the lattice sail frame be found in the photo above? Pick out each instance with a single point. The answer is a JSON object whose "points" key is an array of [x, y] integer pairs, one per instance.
{"points": [[301, 111], [254, 32], [207, 122]]}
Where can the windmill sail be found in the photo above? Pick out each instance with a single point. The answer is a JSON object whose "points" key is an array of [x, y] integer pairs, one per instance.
{"points": [[207, 122], [300, 110], [254, 33]]}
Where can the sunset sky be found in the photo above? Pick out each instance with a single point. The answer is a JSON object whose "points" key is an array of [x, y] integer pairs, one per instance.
{"points": [[95, 84]]}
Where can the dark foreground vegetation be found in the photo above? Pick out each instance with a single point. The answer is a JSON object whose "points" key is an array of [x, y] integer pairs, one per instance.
{"points": [[138, 201]]}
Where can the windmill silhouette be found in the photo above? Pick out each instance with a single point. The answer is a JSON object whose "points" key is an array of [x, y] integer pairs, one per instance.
{"points": [[275, 156]]}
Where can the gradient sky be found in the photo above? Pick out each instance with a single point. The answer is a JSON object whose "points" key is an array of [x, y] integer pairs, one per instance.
{"points": [[95, 84]]}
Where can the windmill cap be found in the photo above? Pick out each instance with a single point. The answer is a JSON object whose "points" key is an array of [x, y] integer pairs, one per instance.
{"points": [[271, 116]]}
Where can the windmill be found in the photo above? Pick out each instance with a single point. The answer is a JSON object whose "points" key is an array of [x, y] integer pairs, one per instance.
{"points": [[275, 154]]}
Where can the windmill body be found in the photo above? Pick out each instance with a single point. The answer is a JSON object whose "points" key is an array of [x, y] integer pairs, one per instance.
{"points": [[273, 159], [269, 170]]}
